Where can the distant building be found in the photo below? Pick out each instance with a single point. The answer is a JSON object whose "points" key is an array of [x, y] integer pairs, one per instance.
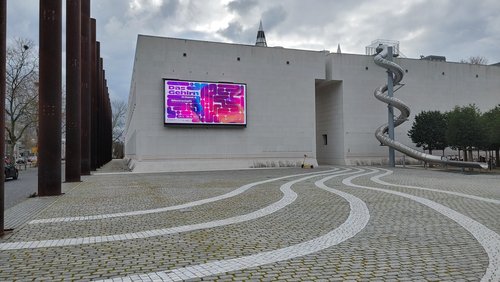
{"points": [[207, 105], [434, 58]]}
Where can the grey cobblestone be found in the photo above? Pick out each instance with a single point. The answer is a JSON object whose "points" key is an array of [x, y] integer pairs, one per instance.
{"points": [[20, 214], [403, 240]]}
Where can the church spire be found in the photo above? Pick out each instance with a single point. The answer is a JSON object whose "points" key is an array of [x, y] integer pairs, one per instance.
{"points": [[338, 49], [261, 37]]}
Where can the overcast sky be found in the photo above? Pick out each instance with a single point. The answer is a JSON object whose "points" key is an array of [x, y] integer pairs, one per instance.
{"points": [[457, 29]]}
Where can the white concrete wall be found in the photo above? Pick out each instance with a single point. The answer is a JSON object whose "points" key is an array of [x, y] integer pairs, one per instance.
{"points": [[280, 105], [329, 121], [289, 106], [426, 88]]}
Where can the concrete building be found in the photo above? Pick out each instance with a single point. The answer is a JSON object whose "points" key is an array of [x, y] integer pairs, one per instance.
{"points": [[298, 102]]}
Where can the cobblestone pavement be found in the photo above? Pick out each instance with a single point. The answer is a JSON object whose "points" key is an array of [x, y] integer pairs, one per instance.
{"points": [[326, 224]]}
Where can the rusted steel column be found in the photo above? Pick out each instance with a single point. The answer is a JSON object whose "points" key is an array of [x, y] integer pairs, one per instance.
{"points": [[100, 114], [98, 111], [103, 117], [108, 135], [49, 136], [110, 128], [94, 111], [93, 89], [103, 121], [73, 90], [85, 90], [3, 49]]}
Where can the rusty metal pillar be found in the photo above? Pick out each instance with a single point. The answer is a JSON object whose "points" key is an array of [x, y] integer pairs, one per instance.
{"points": [[93, 89], [95, 106], [49, 136], [85, 90], [103, 117], [3, 49], [110, 128], [73, 90], [109, 139], [103, 121], [100, 113]]}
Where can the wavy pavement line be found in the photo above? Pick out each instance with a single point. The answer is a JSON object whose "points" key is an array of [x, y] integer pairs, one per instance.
{"points": [[355, 222], [288, 197], [389, 172], [486, 237], [170, 208]]}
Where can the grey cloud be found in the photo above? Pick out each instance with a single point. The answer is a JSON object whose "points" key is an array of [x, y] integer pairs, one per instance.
{"points": [[241, 6], [273, 17], [455, 29], [194, 35], [104, 10], [450, 29], [169, 8], [238, 34], [233, 31], [22, 20]]}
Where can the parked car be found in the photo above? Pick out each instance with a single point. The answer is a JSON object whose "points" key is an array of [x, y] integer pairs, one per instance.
{"points": [[32, 159], [11, 171]]}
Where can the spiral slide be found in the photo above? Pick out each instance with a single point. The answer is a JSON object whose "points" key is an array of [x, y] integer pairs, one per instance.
{"points": [[381, 132]]}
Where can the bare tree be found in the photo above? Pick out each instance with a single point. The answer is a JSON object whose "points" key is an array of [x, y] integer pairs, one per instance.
{"points": [[21, 105], [118, 109], [475, 60]]}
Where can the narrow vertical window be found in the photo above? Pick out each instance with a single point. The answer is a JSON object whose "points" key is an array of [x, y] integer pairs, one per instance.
{"points": [[325, 139]]}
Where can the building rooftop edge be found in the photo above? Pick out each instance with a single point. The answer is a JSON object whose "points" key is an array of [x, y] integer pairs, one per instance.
{"points": [[231, 43], [328, 52]]}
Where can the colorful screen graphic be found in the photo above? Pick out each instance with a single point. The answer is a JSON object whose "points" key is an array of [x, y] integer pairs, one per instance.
{"points": [[195, 102]]}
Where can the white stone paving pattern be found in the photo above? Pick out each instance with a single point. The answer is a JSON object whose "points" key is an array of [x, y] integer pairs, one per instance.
{"points": [[356, 221], [340, 224], [389, 172], [171, 208], [288, 197], [488, 239]]}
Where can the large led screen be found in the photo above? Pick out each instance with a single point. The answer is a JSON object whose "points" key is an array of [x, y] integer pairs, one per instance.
{"points": [[204, 103]]}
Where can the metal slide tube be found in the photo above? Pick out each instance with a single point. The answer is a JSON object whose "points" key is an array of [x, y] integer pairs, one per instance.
{"points": [[381, 132]]}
